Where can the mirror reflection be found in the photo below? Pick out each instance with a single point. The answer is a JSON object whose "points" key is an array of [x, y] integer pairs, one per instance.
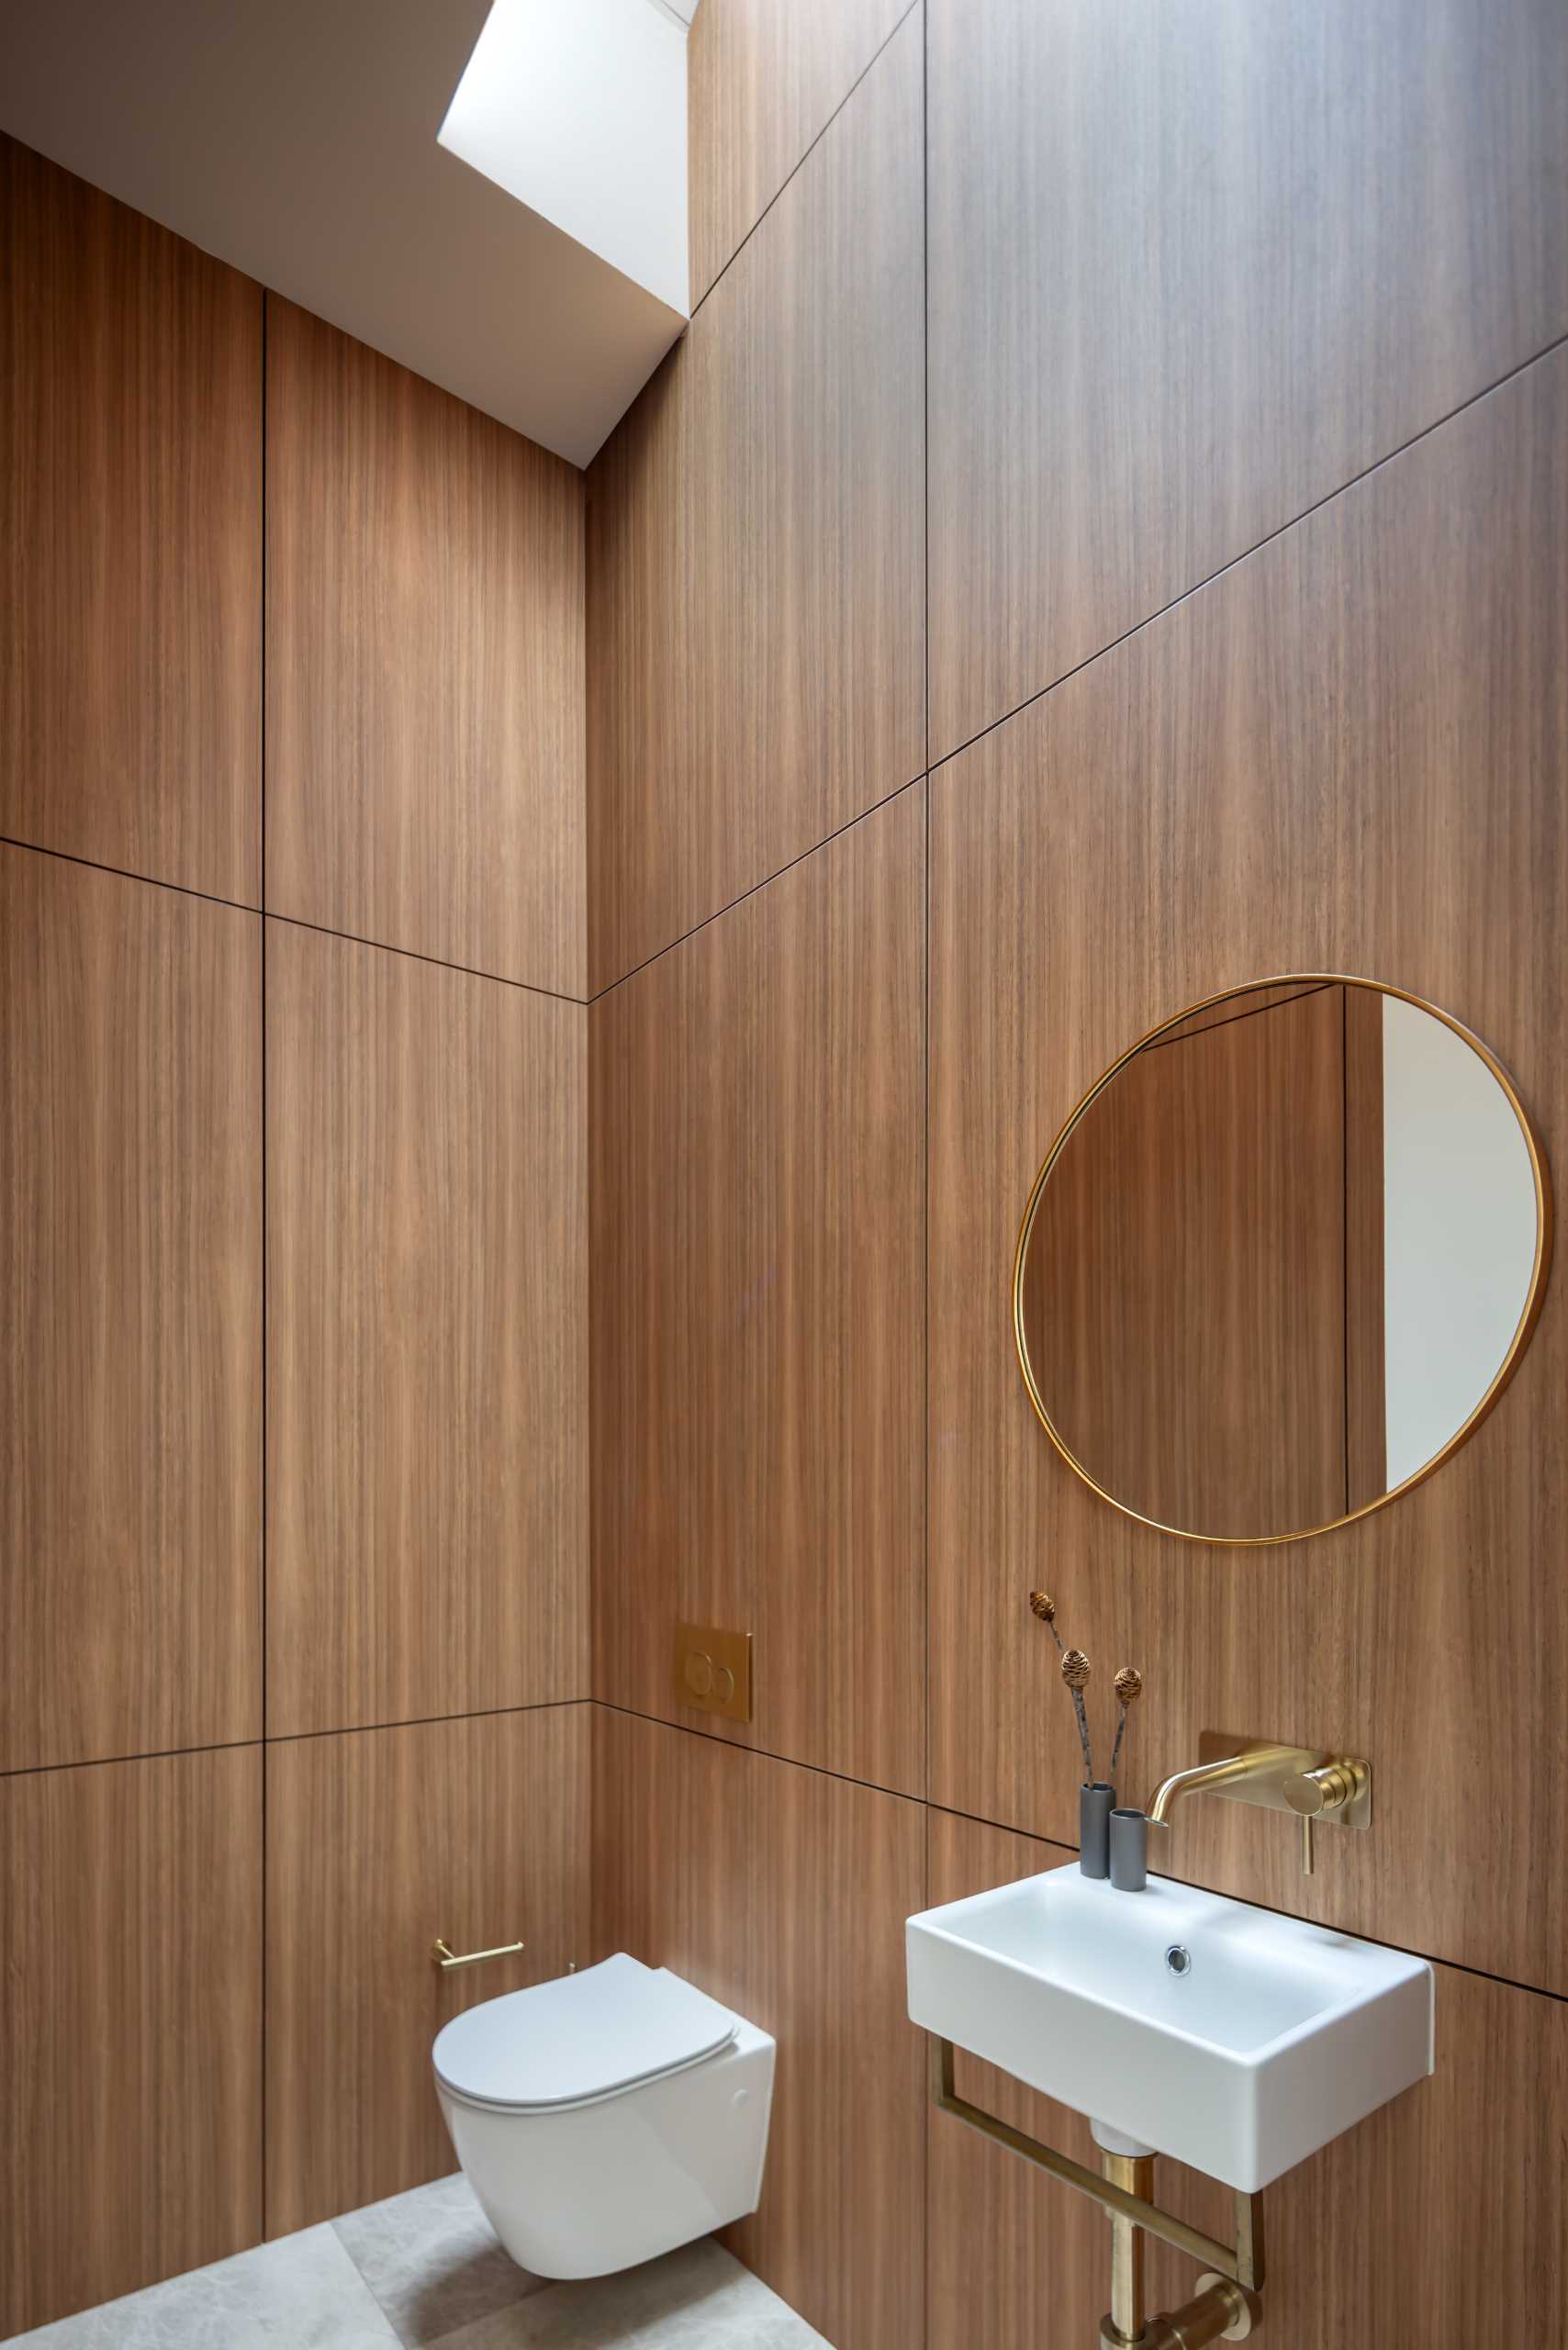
{"points": [[1281, 1259]]}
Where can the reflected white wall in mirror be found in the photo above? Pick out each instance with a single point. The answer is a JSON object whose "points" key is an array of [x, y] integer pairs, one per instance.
{"points": [[1458, 1231]]}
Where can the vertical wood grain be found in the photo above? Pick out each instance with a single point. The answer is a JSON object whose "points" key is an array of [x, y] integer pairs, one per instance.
{"points": [[755, 569], [130, 2128], [1346, 755], [130, 538], [1373, 2240], [757, 1357], [425, 783], [1191, 269], [783, 1893], [427, 1371], [764, 77], [475, 1831], [130, 1278]]}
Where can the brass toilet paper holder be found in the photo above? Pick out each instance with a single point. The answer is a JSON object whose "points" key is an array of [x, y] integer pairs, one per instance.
{"points": [[445, 1958]]}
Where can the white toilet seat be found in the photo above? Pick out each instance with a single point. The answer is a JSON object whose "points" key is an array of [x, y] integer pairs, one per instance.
{"points": [[580, 2039]]}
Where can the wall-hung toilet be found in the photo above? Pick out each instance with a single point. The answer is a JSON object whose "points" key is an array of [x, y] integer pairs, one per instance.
{"points": [[606, 2116]]}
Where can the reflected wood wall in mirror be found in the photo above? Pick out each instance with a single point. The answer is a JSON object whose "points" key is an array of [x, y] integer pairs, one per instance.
{"points": [[1282, 1260]]}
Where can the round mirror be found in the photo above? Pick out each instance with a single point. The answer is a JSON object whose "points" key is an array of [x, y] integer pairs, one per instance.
{"points": [[1282, 1260]]}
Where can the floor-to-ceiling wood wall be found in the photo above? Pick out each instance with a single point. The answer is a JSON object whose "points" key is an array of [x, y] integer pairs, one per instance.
{"points": [[1101, 539], [1235, 490], [293, 1247]]}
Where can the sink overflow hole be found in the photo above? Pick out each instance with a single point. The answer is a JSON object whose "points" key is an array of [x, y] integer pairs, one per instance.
{"points": [[1178, 1959]]}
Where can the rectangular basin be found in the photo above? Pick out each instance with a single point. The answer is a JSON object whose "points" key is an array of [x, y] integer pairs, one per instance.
{"points": [[1230, 2037]]}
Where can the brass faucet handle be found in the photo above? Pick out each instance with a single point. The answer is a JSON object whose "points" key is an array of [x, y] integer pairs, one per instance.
{"points": [[1314, 1793]]}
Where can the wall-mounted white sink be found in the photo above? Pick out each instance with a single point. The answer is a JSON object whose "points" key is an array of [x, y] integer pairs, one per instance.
{"points": [[1230, 2037]]}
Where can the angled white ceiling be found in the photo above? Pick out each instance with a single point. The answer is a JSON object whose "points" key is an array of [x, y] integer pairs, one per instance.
{"points": [[577, 109], [297, 139]]}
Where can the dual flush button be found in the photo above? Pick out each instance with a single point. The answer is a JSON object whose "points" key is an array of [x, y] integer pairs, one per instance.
{"points": [[705, 1679], [712, 1670]]}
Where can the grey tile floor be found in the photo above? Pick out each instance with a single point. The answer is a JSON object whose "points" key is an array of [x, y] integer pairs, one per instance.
{"points": [[425, 2270]]}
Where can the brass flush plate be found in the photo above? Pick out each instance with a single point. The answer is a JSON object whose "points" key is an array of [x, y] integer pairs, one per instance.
{"points": [[712, 1670]]}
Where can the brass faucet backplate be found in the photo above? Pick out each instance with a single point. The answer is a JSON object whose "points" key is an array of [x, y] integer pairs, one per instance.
{"points": [[1266, 1786]]}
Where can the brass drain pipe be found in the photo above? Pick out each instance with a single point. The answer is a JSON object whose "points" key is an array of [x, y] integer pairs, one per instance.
{"points": [[1220, 2310], [1134, 2174]]}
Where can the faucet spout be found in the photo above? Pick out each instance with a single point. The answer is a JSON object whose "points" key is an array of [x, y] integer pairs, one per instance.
{"points": [[1257, 1762]]}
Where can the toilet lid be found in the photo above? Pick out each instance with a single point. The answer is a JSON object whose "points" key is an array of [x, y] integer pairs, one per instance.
{"points": [[582, 2036]]}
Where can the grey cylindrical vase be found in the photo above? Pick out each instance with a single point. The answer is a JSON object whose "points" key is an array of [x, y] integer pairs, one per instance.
{"points": [[1129, 1851], [1094, 1804]]}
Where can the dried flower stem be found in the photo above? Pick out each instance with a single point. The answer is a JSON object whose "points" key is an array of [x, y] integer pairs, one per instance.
{"points": [[1083, 1737], [1075, 1671], [1042, 1605], [1129, 1688]]}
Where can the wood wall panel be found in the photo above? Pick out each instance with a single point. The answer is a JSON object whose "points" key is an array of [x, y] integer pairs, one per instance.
{"points": [[130, 2128], [425, 783], [755, 566], [475, 1831], [1374, 2239], [764, 77], [1191, 269], [758, 1349], [130, 538], [130, 1278], [783, 1893], [1349, 754], [426, 1369]]}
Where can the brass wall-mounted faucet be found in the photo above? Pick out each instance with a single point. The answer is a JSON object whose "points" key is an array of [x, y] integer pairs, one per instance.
{"points": [[1302, 1780]]}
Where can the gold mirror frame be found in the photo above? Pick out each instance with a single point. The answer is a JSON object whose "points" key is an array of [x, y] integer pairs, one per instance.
{"points": [[1522, 1333]]}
